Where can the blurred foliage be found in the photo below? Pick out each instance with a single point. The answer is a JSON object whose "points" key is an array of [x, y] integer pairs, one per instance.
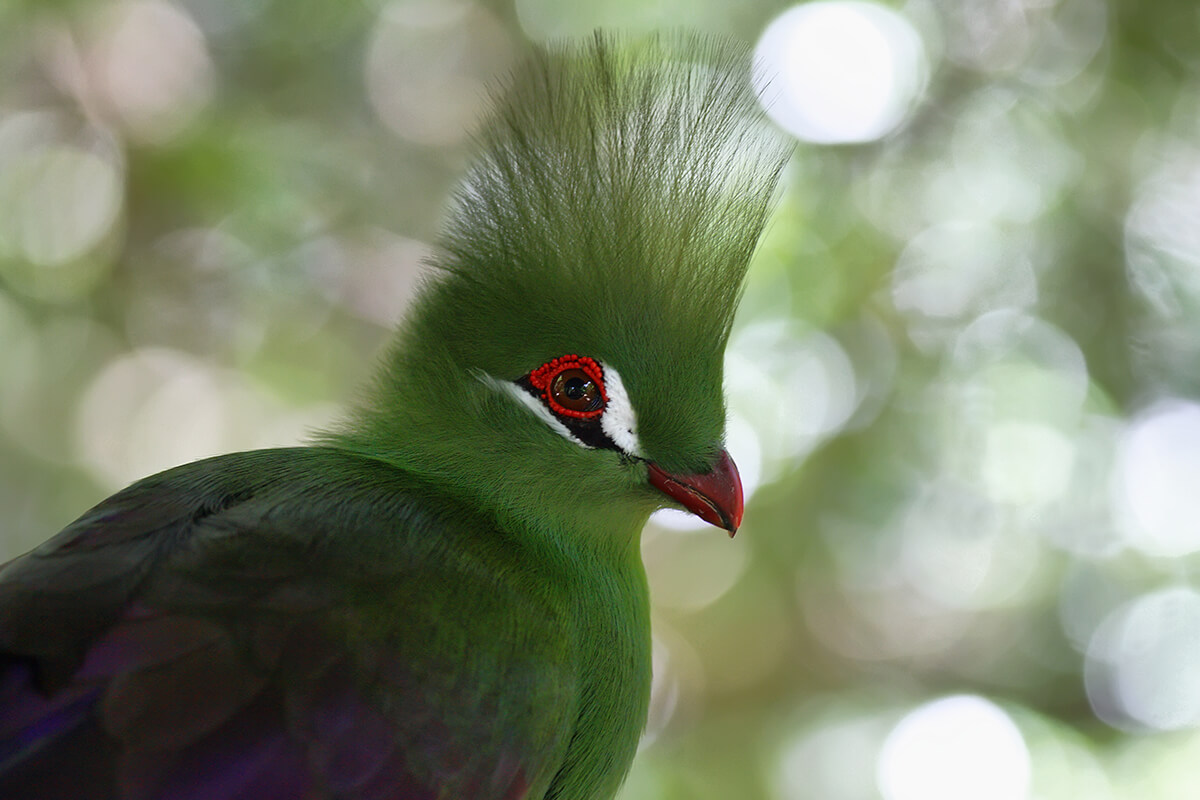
{"points": [[966, 375]]}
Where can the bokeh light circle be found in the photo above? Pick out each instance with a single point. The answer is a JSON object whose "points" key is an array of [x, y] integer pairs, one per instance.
{"points": [[840, 71], [1157, 483], [428, 65], [1143, 663], [154, 68], [953, 748]]}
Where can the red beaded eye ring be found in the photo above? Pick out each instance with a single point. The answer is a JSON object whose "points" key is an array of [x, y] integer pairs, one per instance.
{"points": [[572, 386]]}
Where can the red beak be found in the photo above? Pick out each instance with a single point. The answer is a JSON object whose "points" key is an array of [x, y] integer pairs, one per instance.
{"points": [[715, 497]]}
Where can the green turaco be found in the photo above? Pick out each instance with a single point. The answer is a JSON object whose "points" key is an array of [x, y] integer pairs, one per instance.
{"points": [[442, 598]]}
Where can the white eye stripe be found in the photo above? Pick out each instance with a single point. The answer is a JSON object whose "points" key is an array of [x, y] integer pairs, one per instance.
{"points": [[618, 421], [532, 403]]}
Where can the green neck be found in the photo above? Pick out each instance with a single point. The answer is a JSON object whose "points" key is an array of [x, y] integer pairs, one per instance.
{"points": [[613, 617]]}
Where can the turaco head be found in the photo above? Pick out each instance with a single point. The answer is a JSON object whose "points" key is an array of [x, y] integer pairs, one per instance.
{"points": [[563, 364]]}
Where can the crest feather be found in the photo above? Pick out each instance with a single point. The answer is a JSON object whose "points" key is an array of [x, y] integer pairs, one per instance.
{"points": [[644, 162]]}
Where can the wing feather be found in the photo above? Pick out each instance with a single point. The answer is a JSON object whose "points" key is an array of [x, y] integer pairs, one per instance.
{"points": [[298, 623]]}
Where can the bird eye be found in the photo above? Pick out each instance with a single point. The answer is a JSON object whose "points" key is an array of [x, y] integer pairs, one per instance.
{"points": [[572, 386], [575, 390]]}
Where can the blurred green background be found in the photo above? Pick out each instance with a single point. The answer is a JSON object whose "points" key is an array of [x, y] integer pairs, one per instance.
{"points": [[964, 385]]}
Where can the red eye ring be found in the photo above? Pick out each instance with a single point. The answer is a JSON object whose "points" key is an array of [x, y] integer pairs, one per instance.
{"points": [[543, 379]]}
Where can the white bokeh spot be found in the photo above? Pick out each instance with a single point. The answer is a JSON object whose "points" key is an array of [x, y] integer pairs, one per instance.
{"points": [[1156, 490], [840, 71], [954, 748]]}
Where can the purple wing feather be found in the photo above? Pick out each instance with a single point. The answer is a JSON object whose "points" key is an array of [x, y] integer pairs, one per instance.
{"points": [[181, 717], [349, 739], [221, 680]]}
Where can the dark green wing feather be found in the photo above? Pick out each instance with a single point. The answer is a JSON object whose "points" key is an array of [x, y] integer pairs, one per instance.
{"points": [[289, 623]]}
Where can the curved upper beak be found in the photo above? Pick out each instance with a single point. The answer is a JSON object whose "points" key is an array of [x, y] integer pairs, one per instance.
{"points": [[714, 496]]}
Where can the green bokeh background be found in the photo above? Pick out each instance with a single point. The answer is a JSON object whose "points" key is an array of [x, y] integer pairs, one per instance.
{"points": [[206, 232]]}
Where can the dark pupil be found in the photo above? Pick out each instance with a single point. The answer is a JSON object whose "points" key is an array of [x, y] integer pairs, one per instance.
{"points": [[575, 388]]}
